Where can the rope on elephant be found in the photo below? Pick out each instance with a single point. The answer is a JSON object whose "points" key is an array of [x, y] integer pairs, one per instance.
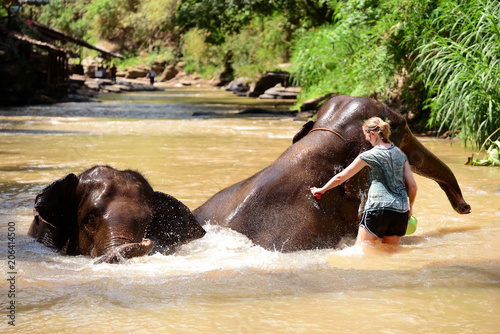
{"points": [[329, 130]]}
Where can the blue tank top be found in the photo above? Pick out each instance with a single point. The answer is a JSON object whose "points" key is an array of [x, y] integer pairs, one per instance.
{"points": [[386, 169]]}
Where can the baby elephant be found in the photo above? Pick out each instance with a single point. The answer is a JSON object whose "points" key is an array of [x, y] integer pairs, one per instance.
{"points": [[110, 214]]}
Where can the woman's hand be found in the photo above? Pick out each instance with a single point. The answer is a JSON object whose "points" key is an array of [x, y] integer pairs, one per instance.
{"points": [[341, 177], [317, 192]]}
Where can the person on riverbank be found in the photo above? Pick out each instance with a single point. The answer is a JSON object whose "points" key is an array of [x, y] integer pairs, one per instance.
{"points": [[151, 75], [113, 73], [389, 205]]}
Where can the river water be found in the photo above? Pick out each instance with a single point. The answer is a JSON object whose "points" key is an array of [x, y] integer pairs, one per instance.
{"points": [[445, 280]]}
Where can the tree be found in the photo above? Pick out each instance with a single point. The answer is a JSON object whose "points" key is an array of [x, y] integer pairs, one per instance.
{"points": [[223, 17]]}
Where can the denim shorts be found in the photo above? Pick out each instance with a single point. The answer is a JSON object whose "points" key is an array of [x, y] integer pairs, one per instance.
{"points": [[385, 223]]}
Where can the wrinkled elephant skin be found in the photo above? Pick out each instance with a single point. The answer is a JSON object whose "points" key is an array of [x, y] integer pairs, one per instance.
{"points": [[110, 213], [275, 208]]}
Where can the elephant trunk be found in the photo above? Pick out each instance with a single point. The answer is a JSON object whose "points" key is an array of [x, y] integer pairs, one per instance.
{"points": [[126, 251], [425, 163]]}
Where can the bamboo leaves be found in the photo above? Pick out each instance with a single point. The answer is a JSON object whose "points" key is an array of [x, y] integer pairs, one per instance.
{"points": [[461, 69]]}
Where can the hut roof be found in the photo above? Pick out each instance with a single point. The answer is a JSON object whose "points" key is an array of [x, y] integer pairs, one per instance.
{"points": [[54, 34], [34, 41]]}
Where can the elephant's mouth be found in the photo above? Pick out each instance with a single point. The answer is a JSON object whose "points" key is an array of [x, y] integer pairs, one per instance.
{"points": [[126, 251]]}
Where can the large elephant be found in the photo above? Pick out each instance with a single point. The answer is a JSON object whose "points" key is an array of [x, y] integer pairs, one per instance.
{"points": [[275, 208], [110, 213]]}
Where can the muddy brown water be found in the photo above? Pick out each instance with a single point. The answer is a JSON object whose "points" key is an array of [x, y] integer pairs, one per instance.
{"points": [[445, 280]]}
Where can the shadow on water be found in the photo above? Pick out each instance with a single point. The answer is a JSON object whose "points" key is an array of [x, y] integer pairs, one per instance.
{"points": [[37, 132]]}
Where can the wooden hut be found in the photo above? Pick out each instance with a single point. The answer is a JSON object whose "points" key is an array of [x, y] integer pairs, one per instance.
{"points": [[39, 66]]}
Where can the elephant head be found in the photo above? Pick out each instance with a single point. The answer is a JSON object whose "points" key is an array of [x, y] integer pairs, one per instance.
{"points": [[274, 207], [110, 213]]}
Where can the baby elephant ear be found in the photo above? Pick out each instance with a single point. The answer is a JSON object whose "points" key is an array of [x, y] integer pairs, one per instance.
{"points": [[173, 223], [55, 212], [304, 130]]}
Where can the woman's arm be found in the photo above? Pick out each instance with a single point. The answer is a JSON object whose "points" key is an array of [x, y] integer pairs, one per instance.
{"points": [[411, 187], [341, 177]]}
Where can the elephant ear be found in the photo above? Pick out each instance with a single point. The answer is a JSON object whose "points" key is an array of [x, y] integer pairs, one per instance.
{"points": [[173, 223], [55, 213], [304, 130]]}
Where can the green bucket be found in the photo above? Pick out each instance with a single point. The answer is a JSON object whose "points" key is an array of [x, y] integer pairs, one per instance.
{"points": [[412, 225]]}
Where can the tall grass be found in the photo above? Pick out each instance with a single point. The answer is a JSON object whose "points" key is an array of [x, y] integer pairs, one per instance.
{"points": [[460, 62]]}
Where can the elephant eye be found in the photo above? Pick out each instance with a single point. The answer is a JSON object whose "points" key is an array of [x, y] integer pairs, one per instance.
{"points": [[92, 223]]}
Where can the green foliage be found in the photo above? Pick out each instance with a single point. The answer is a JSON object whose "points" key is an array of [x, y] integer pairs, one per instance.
{"points": [[259, 47], [151, 24], [106, 17], [200, 56], [350, 56], [3, 9], [221, 18], [133, 24], [313, 64], [216, 17], [460, 62], [67, 16]]}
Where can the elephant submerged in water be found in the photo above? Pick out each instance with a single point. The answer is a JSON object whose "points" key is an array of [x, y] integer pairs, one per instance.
{"points": [[110, 214], [276, 210]]}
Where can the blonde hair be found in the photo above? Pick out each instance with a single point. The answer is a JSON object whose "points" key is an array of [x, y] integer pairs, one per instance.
{"points": [[379, 126]]}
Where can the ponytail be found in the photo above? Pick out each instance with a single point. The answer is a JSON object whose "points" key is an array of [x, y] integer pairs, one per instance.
{"points": [[380, 127]]}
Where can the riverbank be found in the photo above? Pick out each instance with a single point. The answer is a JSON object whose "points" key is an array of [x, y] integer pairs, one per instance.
{"points": [[83, 89]]}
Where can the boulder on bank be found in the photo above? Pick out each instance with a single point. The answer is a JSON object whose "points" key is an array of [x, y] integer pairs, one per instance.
{"points": [[82, 87], [121, 74], [280, 92], [168, 73], [239, 87], [136, 72], [269, 80], [159, 66]]}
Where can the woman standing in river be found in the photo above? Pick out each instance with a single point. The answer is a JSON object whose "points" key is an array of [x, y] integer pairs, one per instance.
{"points": [[389, 206]]}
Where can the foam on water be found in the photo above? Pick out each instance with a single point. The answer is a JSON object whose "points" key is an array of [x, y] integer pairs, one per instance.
{"points": [[221, 249]]}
